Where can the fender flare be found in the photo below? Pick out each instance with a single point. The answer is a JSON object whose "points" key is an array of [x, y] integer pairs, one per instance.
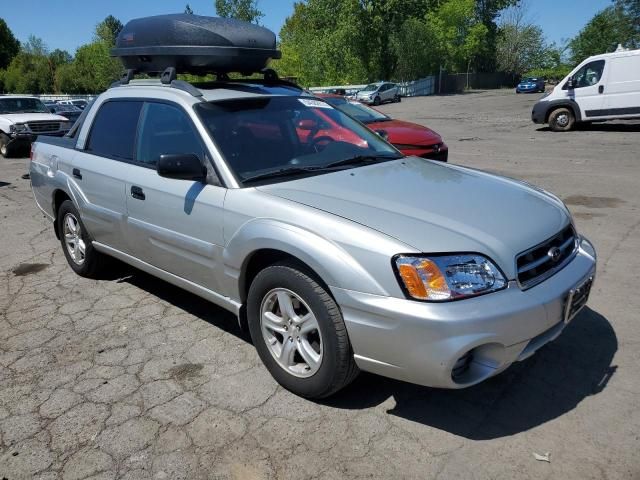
{"points": [[329, 260]]}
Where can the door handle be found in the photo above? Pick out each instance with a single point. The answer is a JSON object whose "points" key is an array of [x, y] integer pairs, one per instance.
{"points": [[137, 193], [76, 173], [601, 89]]}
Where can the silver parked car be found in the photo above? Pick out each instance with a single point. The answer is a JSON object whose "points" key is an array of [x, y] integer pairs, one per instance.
{"points": [[378, 93], [337, 252]]}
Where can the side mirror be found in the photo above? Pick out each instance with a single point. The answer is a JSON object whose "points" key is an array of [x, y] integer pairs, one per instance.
{"points": [[383, 134], [571, 83], [181, 166], [307, 124]]}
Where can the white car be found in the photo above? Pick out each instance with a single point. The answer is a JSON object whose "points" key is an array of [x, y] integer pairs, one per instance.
{"points": [[378, 93], [603, 87], [22, 119]]}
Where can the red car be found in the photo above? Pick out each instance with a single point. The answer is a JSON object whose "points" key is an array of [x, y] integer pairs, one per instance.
{"points": [[409, 138]]}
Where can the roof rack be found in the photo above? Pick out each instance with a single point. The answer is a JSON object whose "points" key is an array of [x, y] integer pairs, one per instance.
{"points": [[169, 77]]}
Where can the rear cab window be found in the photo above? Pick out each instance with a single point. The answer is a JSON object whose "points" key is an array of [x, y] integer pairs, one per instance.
{"points": [[113, 132]]}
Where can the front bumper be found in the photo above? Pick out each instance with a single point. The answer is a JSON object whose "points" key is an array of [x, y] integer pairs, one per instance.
{"points": [[29, 137], [421, 342], [539, 112]]}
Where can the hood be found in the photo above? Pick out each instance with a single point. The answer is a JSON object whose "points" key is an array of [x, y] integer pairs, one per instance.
{"points": [[435, 208], [33, 117], [406, 133]]}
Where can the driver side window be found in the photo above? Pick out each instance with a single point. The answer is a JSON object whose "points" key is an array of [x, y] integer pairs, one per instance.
{"points": [[166, 129], [589, 75]]}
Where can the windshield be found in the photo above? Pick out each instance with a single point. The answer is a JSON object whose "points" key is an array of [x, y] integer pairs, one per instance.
{"points": [[362, 112], [370, 88], [21, 105], [257, 136]]}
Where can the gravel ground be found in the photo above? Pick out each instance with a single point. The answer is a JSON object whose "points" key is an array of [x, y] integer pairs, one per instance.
{"points": [[130, 377]]}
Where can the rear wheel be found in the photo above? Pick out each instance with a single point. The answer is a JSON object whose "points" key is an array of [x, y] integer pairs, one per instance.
{"points": [[299, 332], [397, 99], [561, 120], [76, 242]]}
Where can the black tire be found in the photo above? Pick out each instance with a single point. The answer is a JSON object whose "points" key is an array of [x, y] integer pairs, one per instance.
{"points": [[562, 120], [397, 99], [338, 367], [5, 149], [376, 101], [93, 263]]}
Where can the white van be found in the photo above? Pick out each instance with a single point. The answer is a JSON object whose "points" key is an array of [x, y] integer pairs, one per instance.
{"points": [[603, 87]]}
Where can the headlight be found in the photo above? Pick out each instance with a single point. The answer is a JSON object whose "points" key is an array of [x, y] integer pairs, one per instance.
{"points": [[65, 125], [448, 277], [18, 127]]}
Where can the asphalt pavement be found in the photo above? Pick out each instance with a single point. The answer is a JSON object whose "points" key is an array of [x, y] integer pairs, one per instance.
{"points": [[130, 377]]}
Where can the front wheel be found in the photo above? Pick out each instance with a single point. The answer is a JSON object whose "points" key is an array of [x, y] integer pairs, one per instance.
{"points": [[397, 99], [561, 120], [76, 242], [376, 101], [5, 149], [299, 332]]}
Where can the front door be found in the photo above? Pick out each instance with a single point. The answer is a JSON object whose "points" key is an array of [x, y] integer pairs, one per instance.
{"points": [[175, 225], [589, 87]]}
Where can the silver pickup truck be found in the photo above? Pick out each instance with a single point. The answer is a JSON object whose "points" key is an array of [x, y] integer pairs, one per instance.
{"points": [[338, 253]]}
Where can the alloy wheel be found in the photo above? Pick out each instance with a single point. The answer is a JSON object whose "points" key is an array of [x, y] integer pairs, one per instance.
{"points": [[72, 232], [291, 332]]}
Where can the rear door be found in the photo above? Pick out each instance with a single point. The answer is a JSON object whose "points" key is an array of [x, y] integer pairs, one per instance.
{"points": [[622, 91], [100, 169], [589, 87], [175, 225]]}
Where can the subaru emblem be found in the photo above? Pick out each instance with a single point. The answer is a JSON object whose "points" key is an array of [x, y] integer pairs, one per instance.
{"points": [[554, 254]]}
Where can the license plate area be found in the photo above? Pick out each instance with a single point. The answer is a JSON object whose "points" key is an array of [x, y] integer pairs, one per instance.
{"points": [[577, 299]]}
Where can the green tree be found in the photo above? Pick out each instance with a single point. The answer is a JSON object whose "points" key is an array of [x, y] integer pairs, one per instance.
{"points": [[459, 33], [9, 45], [31, 70], [246, 10], [107, 31], [521, 46], [603, 33], [188, 10], [92, 69], [60, 57], [487, 12], [412, 45]]}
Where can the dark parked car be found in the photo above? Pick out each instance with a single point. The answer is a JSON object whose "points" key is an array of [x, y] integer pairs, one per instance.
{"points": [[530, 85], [409, 138], [71, 112]]}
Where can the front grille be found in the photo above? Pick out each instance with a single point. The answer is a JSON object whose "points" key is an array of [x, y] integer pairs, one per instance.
{"points": [[543, 260], [43, 127]]}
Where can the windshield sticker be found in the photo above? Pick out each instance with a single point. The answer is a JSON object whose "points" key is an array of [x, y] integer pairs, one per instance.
{"points": [[307, 102]]}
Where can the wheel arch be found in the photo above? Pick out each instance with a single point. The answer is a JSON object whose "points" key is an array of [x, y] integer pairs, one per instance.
{"points": [[59, 196], [266, 241], [570, 104]]}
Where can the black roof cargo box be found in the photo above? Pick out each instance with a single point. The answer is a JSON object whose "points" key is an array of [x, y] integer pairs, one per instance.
{"points": [[194, 44]]}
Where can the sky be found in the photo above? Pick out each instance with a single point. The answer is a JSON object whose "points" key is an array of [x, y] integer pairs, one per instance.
{"points": [[67, 24]]}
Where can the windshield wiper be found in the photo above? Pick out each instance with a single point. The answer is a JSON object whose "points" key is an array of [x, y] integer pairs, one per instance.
{"points": [[358, 159], [282, 172], [287, 171]]}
